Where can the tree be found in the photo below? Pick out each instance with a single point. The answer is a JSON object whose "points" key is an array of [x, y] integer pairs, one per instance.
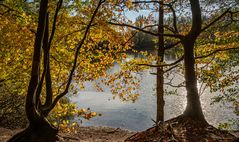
{"points": [[37, 111], [58, 37], [219, 55], [189, 31], [193, 108], [188, 40], [160, 71], [18, 26], [100, 51], [40, 129], [145, 26]]}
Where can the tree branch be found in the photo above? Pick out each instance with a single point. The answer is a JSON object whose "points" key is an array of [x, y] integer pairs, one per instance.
{"points": [[196, 20], [59, 4], [68, 34], [174, 18], [170, 5], [216, 51], [75, 60], [171, 68], [139, 2], [132, 36], [215, 20], [38, 103], [175, 86], [147, 32], [152, 1], [164, 65], [8, 9], [172, 45]]}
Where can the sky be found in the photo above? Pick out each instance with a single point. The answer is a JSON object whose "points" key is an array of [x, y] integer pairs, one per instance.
{"points": [[132, 15]]}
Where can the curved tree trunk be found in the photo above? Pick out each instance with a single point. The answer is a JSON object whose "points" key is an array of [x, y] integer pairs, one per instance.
{"points": [[39, 129]]}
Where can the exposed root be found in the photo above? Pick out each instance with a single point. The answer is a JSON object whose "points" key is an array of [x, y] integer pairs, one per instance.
{"points": [[19, 137], [182, 129], [35, 135]]}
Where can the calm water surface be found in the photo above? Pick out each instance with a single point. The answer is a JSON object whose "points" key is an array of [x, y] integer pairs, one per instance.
{"points": [[138, 116]]}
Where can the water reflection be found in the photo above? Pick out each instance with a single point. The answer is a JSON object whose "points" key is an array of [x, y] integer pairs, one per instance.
{"points": [[138, 116]]}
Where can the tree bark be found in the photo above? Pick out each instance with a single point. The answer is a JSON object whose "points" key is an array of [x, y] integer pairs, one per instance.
{"points": [[193, 108], [39, 129], [42, 131], [31, 111], [160, 72]]}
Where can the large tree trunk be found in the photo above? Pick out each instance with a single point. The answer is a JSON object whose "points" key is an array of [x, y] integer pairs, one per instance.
{"points": [[160, 72], [193, 108], [160, 94], [41, 131], [30, 107]]}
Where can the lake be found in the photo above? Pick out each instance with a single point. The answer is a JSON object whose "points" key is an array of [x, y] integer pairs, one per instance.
{"points": [[138, 116]]}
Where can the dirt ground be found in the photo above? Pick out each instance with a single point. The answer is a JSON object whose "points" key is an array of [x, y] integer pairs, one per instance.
{"points": [[85, 134], [105, 134], [97, 134]]}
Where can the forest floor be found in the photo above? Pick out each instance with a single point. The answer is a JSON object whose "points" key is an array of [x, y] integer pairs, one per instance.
{"points": [[174, 130], [84, 134]]}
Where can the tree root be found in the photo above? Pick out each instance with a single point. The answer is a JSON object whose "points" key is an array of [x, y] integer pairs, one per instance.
{"points": [[35, 135]]}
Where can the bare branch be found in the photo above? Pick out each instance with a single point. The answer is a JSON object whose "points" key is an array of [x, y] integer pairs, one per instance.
{"points": [[169, 28], [134, 27], [170, 83], [133, 35], [147, 32], [171, 68], [175, 86], [215, 20], [202, 89], [152, 1], [164, 65], [172, 45], [145, 2], [174, 18], [170, 5]]}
